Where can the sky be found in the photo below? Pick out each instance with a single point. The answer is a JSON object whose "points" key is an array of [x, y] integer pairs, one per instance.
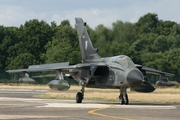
{"points": [[94, 12]]}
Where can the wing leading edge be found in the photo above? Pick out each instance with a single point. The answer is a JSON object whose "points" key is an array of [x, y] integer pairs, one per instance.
{"points": [[153, 71], [56, 66], [43, 67]]}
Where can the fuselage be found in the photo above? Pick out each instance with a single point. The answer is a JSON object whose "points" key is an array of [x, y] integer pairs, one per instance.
{"points": [[119, 71]]}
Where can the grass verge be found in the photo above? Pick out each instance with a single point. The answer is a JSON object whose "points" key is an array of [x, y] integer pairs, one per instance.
{"points": [[160, 95]]}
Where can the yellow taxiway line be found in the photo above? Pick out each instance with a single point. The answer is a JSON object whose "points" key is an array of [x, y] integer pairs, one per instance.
{"points": [[94, 112]]}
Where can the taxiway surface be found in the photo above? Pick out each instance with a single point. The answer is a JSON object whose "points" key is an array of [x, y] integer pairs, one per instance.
{"points": [[20, 104]]}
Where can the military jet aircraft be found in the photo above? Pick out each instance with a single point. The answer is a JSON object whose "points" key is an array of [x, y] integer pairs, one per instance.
{"points": [[117, 72]]}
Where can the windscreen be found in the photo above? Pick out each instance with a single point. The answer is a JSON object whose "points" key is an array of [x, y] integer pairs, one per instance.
{"points": [[124, 61]]}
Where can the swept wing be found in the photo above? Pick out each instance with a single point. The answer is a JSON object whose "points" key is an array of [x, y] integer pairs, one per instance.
{"points": [[56, 66]]}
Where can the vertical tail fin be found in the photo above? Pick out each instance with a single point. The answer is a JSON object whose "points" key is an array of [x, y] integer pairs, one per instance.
{"points": [[88, 52]]}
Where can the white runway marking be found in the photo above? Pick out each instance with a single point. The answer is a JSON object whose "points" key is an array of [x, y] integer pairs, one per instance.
{"points": [[145, 106], [75, 105], [92, 105], [11, 117], [71, 104], [20, 90]]}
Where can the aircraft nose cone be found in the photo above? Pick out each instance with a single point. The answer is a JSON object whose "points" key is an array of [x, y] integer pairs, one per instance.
{"points": [[134, 78]]}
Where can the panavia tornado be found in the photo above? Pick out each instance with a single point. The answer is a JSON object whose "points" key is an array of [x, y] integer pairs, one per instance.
{"points": [[117, 72]]}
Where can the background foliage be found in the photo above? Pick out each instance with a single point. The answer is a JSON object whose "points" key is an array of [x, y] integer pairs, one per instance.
{"points": [[150, 41]]}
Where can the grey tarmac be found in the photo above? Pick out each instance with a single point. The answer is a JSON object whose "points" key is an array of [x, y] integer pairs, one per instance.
{"points": [[20, 105]]}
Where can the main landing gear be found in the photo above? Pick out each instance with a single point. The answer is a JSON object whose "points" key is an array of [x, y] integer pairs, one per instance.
{"points": [[80, 95], [123, 97]]}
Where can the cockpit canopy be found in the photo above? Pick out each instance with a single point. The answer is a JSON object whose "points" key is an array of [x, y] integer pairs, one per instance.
{"points": [[124, 61]]}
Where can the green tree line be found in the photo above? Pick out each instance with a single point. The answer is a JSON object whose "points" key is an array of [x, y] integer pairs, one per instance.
{"points": [[150, 41]]}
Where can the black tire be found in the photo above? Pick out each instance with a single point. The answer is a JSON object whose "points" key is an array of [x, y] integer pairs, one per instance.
{"points": [[121, 99], [127, 100], [79, 97]]}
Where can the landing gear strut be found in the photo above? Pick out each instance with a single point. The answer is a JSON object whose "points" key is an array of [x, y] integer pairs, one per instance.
{"points": [[123, 97], [80, 95]]}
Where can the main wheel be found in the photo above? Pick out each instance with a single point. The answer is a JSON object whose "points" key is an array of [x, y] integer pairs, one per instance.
{"points": [[121, 99], [79, 97], [126, 99]]}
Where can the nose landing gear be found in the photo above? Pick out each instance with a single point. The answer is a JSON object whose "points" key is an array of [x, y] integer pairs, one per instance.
{"points": [[123, 97]]}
